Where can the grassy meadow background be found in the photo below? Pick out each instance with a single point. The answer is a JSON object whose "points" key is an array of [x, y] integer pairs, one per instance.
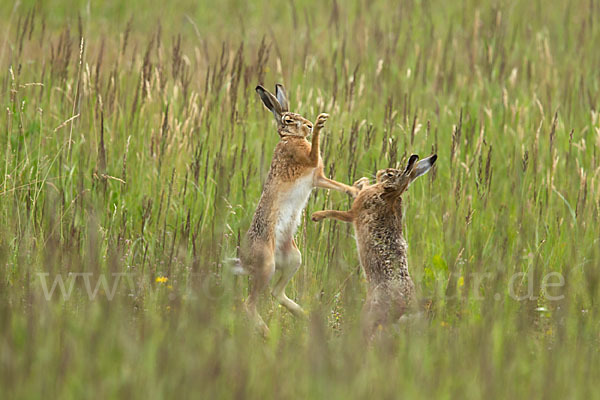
{"points": [[133, 149]]}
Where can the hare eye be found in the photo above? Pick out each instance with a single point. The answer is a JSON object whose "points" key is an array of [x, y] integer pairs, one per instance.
{"points": [[287, 120], [309, 126]]}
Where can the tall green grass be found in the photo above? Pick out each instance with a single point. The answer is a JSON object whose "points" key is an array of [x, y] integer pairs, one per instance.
{"points": [[133, 149]]}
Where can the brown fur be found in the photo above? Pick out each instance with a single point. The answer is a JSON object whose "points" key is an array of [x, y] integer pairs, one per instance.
{"points": [[377, 217], [295, 169]]}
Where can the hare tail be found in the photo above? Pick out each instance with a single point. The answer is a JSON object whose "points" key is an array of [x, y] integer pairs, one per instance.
{"points": [[236, 267]]}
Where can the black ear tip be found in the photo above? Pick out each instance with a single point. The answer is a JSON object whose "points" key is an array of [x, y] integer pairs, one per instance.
{"points": [[413, 158], [433, 158], [259, 88]]}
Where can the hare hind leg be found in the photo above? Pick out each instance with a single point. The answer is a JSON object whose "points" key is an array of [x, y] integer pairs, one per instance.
{"points": [[261, 273], [289, 262], [375, 312]]}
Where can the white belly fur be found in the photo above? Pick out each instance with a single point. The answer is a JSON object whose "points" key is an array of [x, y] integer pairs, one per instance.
{"points": [[291, 204]]}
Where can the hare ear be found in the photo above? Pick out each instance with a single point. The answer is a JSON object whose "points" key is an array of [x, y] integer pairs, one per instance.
{"points": [[423, 166], [282, 97], [270, 102], [411, 163]]}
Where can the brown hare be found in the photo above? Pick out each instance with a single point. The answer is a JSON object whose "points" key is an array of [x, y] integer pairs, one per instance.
{"points": [[377, 217], [295, 170]]}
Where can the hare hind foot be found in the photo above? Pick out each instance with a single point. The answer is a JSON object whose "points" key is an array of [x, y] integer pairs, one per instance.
{"points": [[290, 304], [257, 320]]}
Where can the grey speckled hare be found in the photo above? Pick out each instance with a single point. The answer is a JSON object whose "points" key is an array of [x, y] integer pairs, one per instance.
{"points": [[295, 170], [377, 217]]}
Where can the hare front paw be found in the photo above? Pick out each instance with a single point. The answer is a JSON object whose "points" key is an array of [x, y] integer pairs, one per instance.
{"points": [[321, 119], [317, 216], [361, 183]]}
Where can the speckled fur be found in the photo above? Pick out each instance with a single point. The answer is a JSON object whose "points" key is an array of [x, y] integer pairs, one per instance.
{"points": [[377, 217], [286, 168], [382, 251]]}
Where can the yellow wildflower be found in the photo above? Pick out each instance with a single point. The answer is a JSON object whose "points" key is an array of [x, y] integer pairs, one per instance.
{"points": [[162, 279]]}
